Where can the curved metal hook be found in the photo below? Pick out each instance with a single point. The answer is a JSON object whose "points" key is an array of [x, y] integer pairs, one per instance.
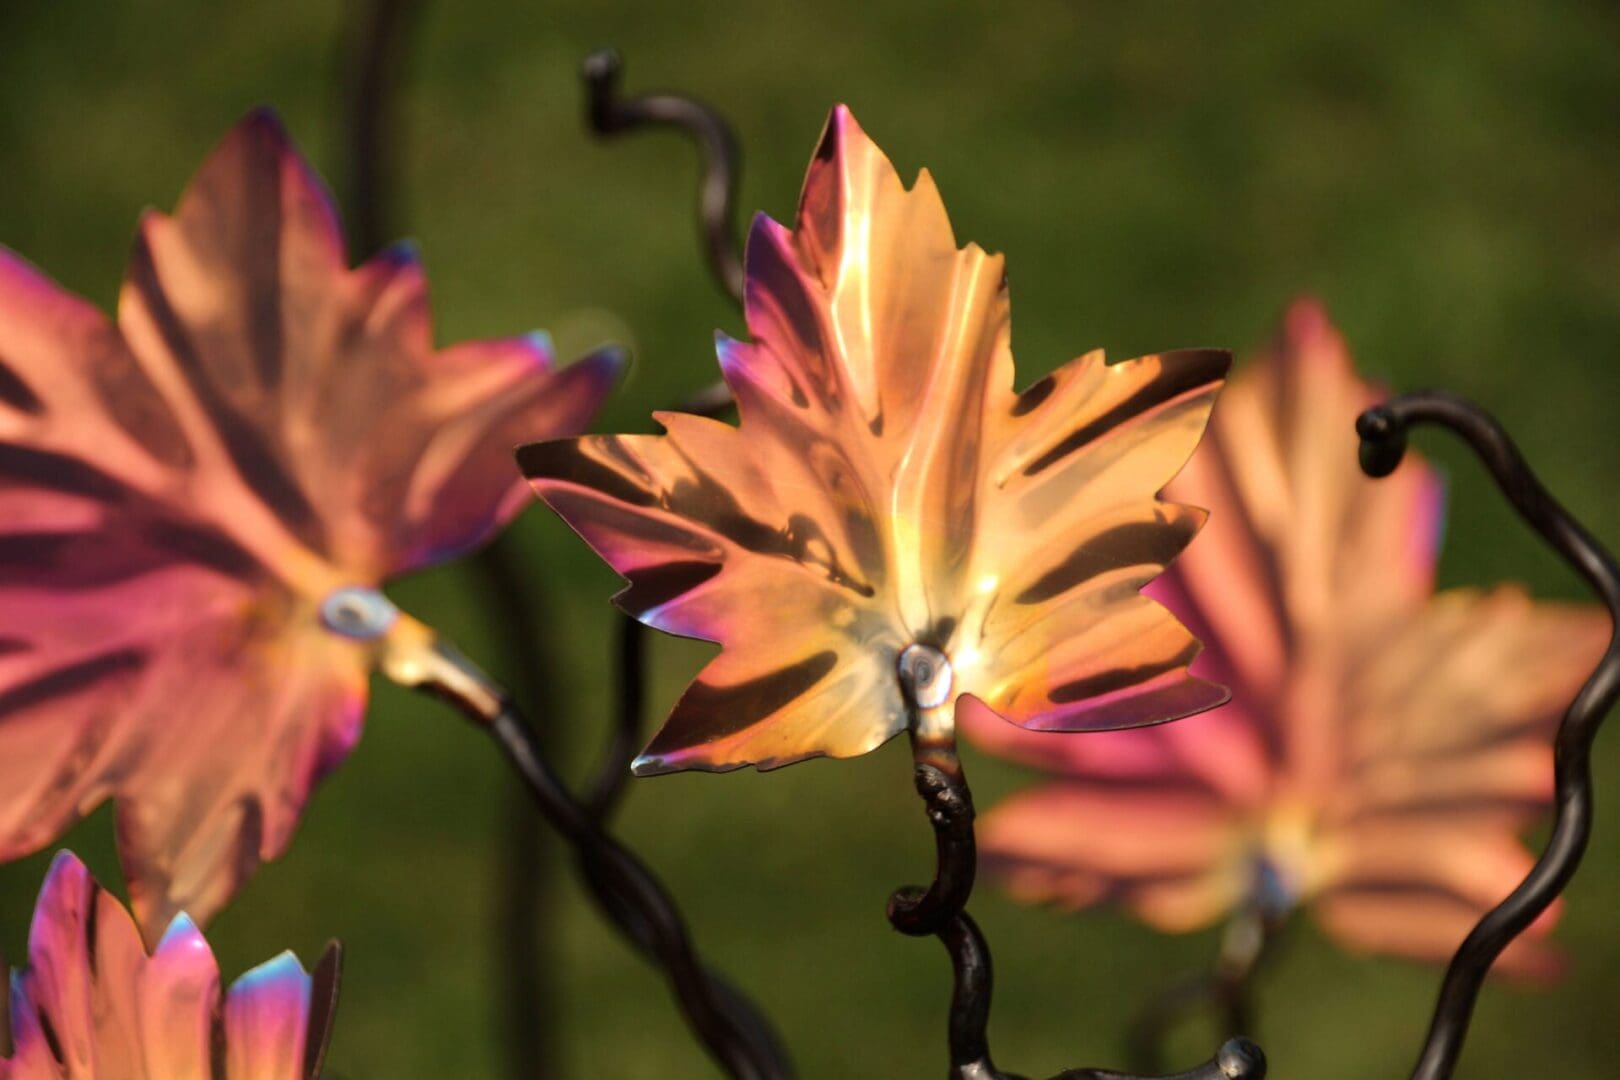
{"points": [[1383, 431], [610, 113]]}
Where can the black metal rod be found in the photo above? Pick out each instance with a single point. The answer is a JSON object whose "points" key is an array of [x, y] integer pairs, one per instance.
{"points": [[609, 113], [373, 63], [1383, 430], [527, 902]]}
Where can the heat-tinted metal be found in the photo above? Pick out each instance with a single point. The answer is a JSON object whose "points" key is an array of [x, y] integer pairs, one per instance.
{"points": [[1385, 745], [886, 487], [182, 490], [94, 1002], [1383, 431]]}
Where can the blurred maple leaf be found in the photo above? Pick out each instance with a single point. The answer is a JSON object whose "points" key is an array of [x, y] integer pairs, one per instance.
{"points": [[1384, 747], [180, 491]]}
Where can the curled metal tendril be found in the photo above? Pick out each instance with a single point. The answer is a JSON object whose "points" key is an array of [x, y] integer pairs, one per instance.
{"points": [[1383, 430], [609, 113], [612, 114]]}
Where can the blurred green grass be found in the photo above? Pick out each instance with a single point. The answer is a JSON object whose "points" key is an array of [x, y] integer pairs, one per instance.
{"points": [[1159, 175]]}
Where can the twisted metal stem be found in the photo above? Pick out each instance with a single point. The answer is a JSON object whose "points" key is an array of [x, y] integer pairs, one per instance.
{"points": [[1383, 430], [732, 1030], [606, 790]]}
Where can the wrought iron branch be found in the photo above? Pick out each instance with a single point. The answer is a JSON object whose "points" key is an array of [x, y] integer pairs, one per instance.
{"points": [[1383, 430], [939, 909], [723, 1020]]}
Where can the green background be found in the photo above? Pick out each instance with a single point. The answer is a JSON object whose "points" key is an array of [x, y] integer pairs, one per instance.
{"points": [[1445, 176]]}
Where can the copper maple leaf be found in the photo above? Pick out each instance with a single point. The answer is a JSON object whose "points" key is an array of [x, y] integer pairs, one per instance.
{"points": [[886, 486], [1384, 746], [182, 490], [93, 1003]]}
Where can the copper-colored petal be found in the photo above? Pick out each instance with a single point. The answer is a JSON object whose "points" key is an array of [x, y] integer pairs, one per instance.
{"points": [[1428, 925], [1176, 857], [93, 1003], [886, 486]]}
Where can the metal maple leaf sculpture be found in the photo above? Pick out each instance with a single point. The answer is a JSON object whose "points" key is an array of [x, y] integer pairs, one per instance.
{"points": [[93, 1002], [887, 499], [198, 500], [1385, 746]]}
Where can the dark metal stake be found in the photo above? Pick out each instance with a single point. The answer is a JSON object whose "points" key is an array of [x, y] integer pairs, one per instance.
{"points": [[374, 71], [1383, 432], [374, 60], [630, 664]]}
